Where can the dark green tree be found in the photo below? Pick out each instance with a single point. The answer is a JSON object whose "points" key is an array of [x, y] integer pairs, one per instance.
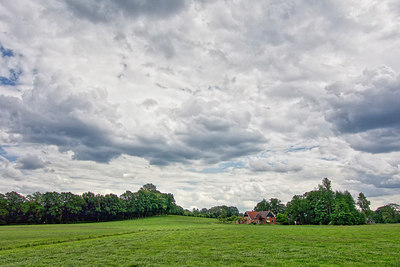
{"points": [[149, 187], [130, 204], [276, 206], [345, 212], [72, 206], [35, 209], [170, 202], [263, 205], [316, 213], [65, 207], [388, 214], [282, 218], [52, 207], [16, 207], [327, 199], [297, 210], [3, 209], [363, 203], [114, 207], [177, 210], [91, 210]]}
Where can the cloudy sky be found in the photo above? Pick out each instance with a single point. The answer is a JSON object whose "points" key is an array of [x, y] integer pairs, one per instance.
{"points": [[217, 102]]}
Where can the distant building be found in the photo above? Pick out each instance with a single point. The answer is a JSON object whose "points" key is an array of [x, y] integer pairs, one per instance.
{"points": [[258, 217]]}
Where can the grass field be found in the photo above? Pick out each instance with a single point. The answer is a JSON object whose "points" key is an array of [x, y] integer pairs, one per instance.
{"points": [[188, 241]]}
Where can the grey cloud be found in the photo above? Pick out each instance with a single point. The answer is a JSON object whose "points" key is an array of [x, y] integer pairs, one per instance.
{"points": [[368, 111], [149, 103], [262, 165], [158, 8], [376, 170], [101, 11], [214, 123], [30, 162], [212, 128], [96, 11], [164, 45], [50, 114], [57, 127], [225, 144], [86, 123], [380, 181], [376, 141]]}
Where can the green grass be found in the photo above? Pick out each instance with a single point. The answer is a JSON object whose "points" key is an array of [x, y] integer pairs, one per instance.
{"points": [[188, 241]]}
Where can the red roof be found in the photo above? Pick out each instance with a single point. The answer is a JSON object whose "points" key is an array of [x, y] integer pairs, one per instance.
{"points": [[252, 214]]}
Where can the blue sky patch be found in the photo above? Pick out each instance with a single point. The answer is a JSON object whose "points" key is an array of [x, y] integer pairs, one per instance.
{"points": [[330, 159], [6, 52], [3, 153], [299, 149], [222, 167], [12, 78]]}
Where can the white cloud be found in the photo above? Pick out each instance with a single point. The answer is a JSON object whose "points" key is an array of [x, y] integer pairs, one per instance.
{"points": [[112, 95]]}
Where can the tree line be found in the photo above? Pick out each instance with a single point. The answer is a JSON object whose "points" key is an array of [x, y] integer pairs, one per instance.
{"points": [[66, 207], [324, 206], [319, 206], [224, 214], [214, 212]]}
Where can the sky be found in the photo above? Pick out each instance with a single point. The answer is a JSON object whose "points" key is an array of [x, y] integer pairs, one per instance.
{"points": [[218, 102]]}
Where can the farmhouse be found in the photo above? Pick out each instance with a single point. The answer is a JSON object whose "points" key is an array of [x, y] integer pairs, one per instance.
{"points": [[258, 217]]}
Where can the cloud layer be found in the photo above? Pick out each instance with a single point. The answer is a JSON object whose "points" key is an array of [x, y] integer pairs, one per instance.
{"points": [[368, 111], [218, 102]]}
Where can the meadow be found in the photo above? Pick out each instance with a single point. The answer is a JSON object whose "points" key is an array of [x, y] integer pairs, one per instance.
{"points": [[190, 241]]}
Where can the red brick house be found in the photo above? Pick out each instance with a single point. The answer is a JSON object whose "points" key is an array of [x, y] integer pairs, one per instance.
{"points": [[258, 217]]}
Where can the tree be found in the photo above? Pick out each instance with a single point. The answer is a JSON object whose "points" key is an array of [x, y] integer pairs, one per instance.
{"points": [[388, 214], [327, 198], [262, 205], [3, 209], [177, 210], [313, 207], [276, 206], [322, 206], [52, 207], [113, 207], [282, 219], [35, 209], [130, 204], [91, 211], [297, 210], [345, 212], [170, 202], [72, 206], [316, 211], [15, 206], [341, 213], [222, 217], [363, 203], [216, 211], [149, 187]]}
